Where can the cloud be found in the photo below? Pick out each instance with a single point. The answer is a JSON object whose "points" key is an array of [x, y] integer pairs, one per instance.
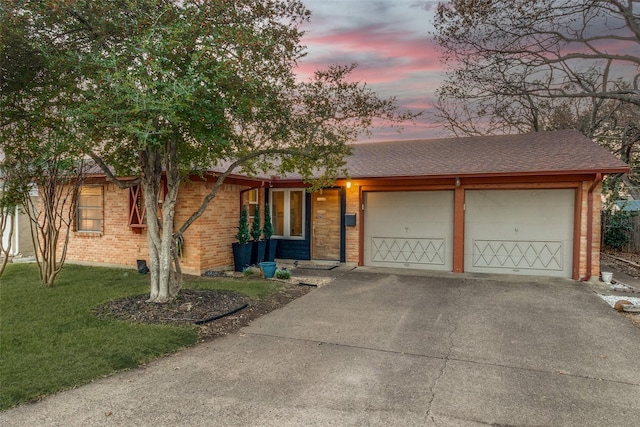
{"points": [[420, 129], [381, 33], [391, 43], [383, 56]]}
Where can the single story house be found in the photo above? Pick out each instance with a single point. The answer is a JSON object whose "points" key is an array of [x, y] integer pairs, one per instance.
{"points": [[514, 204]]}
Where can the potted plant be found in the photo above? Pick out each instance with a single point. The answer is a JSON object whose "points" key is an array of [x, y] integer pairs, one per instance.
{"points": [[270, 251], [242, 248], [257, 253], [268, 269]]}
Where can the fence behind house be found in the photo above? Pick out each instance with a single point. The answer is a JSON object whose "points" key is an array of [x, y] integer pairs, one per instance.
{"points": [[633, 245]]}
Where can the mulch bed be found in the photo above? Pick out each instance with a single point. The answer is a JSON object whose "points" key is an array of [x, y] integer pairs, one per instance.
{"points": [[192, 306]]}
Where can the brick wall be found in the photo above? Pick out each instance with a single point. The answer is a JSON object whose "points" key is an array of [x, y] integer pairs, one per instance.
{"points": [[209, 239], [116, 244], [597, 232], [207, 243], [352, 240], [596, 242], [596, 235]]}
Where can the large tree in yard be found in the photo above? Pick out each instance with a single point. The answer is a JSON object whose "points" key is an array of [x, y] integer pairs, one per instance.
{"points": [[39, 156], [514, 65], [38, 144], [169, 88]]}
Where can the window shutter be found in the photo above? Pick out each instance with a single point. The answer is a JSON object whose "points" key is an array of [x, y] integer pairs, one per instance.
{"points": [[136, 209]]}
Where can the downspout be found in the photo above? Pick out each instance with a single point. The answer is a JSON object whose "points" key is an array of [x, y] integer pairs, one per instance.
{"points": [[596, 181]]}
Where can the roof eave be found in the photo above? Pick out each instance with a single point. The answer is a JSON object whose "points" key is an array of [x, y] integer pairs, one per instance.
{"points": [[603, 171]]}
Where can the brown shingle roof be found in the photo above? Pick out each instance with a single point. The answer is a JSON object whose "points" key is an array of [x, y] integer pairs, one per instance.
{"points": [[541, 153], [558, 152]]}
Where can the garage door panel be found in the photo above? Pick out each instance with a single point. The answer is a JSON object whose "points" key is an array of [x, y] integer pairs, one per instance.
{"points": [[406, 213], [408, 250], [409, 229], [519, 231], [536, 255]]}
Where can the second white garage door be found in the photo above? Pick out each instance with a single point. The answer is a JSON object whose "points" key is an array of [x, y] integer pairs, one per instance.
{"points": [[410, 229], [519, 231]]}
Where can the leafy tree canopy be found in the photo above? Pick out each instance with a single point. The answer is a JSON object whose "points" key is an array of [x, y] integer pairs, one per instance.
{"points": [[152, 88]]}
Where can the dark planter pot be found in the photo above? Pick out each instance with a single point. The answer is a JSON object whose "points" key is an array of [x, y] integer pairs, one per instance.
{"points": [[257, 253], [241, 255], [270, 252]]}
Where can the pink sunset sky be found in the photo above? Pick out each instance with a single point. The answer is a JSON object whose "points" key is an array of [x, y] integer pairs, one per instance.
{"points": [[389, 39], [391, 42]]}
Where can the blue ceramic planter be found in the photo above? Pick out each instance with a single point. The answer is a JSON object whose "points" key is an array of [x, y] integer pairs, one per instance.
{"points": [[268, 268]]}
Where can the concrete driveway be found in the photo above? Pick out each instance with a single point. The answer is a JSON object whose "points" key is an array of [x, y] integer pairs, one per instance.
{"points": [[374, 348]]}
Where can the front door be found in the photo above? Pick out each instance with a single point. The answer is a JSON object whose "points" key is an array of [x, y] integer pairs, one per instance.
{"points": [[325, 225]]}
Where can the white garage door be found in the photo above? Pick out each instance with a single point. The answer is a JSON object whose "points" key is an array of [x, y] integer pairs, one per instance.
{"points": [[519, 231], [410, 229]]}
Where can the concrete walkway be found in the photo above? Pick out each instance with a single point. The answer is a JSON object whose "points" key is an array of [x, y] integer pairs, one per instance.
{"points": [[374, 348]]}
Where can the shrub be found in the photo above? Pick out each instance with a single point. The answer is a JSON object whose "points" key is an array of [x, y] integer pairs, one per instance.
{"points": [[283, 274], [256, 231], [268, 227], [243, 226], [617, 228]]}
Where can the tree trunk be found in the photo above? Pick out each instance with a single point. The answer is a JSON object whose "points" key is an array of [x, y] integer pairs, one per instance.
{"points": [[50, 213], [152, 173], [165, 280], [173, 279]]}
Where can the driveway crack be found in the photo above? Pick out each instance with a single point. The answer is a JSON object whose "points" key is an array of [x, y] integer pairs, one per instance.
{"points": [[446, 358]]}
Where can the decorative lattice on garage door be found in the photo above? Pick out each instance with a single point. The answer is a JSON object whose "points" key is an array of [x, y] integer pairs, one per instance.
{"points": [[409, 250], [545, 255]]}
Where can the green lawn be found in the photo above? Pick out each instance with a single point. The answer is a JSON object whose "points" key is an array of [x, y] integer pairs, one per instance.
{"points": [[50, 340]]}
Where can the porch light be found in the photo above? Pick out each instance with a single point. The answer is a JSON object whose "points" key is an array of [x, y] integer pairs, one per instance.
{"points": [[348, 184]]}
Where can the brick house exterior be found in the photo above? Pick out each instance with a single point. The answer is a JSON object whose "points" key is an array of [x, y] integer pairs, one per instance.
{"points": [[207, 242], [555, 175]]}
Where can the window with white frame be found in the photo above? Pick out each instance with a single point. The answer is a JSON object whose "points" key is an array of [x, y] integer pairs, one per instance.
{"points": [[251, 201], [288, 213], [89, 210]]}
